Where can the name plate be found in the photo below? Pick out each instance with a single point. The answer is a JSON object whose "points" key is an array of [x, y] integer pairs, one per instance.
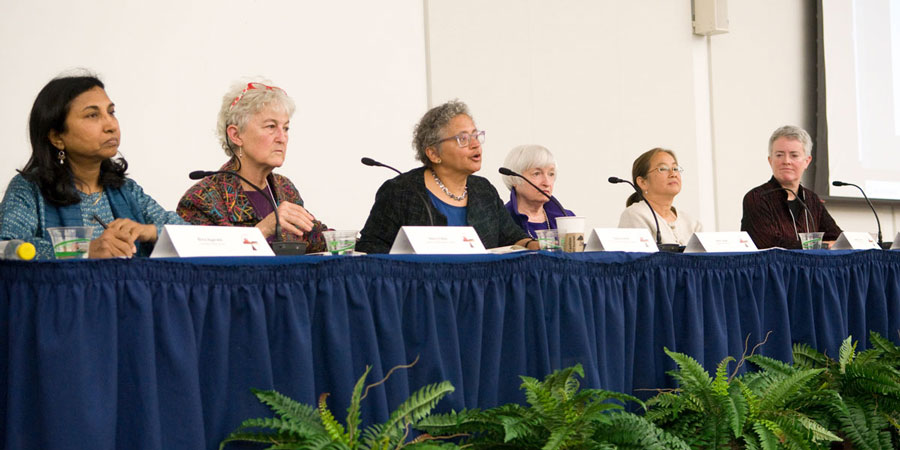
{"points": [[725, 241], [855, 240], [620, 240], [195, 240], [437, 241], [896, 244]]}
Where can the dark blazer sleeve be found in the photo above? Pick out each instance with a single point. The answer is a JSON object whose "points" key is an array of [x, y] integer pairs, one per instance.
{"points": [[510, 232], [761, 223], [377, 236]]}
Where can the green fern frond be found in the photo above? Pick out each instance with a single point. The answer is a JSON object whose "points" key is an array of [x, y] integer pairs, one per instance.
{"points": [[288, 408], [333, 428], [860, 424], [772, 365], [846, 353], [417, 406], [280, 426], [557, 439], [720, 382], [782, 390], [353, 420], [627, 430], [873, 378], [694, 380], [736, 409], [262, 438], [806, 357], [768, 439], [888, 348], [817, 432]]}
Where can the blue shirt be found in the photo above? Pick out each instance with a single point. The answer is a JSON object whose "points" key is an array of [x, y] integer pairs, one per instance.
{"points": [[456, 215]]}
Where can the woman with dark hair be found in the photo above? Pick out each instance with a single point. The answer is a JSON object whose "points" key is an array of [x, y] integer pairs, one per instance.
{"points": [[72, 178], [444, 191], [657, 173]]}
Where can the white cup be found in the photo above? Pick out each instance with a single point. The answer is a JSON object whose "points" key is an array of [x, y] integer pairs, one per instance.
{"points": [[571, 233]]}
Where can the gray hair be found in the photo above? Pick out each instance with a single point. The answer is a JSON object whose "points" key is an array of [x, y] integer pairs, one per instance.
{"points": [[431, 125], [794, 133], [251, 102], [523, 158]]}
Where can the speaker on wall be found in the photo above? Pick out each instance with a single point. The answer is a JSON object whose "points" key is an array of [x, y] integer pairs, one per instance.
{"points": [[710, 17]]}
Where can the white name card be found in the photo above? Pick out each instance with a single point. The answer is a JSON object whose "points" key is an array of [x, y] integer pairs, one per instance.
{"points": [[437, 241], [620, 240], [855, 240], [193, 240], [725, 241]]}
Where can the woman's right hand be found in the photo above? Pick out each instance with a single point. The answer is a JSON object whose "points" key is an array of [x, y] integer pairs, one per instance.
{"points": [[115, 242], [293, 218]]}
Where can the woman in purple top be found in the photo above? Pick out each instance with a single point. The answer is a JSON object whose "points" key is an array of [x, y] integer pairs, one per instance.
{"points": [[529, 208], [253, 130]]}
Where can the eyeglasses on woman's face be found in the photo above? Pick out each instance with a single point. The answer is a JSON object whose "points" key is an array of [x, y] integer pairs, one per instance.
{"points": [[464, 139], [666, 170]]}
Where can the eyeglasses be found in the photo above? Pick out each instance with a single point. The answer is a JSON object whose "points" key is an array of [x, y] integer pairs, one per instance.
{"points": [[463, 139], [666, 169], [251, 86]]}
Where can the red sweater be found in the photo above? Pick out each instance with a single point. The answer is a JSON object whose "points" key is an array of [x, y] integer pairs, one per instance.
{"points": [[767, 217]]}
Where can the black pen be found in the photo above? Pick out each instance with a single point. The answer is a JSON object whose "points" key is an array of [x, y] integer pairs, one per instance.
{"points": [[100, 221]]}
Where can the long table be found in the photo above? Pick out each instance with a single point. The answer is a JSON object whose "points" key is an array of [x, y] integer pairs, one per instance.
{"points": [[162, 354]]}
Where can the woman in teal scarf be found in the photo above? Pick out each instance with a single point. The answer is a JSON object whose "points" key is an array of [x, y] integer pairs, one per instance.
{"points": [[74, 179]]}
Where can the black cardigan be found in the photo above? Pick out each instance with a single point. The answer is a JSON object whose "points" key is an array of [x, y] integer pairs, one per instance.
{"points": [[403, 200]]}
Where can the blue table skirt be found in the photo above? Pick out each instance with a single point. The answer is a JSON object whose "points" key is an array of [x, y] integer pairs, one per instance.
{"points": [[161, 354]]}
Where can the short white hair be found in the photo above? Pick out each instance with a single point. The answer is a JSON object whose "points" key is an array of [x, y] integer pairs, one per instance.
{"points": [[523, 158], [251, 102], [794, 133]]}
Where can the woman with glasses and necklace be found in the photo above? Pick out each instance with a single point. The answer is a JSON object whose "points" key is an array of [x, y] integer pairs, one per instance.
{"points": [[74, 179], [657, 174], [253, 130], [529, 208], [444, 191]]}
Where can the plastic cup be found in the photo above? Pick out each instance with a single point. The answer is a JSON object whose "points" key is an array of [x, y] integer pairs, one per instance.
{"points": [[571, 233], [811, 241], [548, 240], [71, 242], [340, 242]]}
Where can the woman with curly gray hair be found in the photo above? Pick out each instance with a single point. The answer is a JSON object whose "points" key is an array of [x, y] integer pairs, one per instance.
{"points": [[253, 130], [443, 191]]}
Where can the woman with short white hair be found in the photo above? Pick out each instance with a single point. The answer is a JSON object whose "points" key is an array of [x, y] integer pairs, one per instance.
{"points": [[529, 208], [253, 128]]}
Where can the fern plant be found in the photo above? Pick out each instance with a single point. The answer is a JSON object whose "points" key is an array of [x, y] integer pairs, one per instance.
{"points": [[762, 410], [299, 426], [865, 406], [559, 415]]}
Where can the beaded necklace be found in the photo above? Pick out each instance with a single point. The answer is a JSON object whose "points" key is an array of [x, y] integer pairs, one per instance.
{"points": [[447, 191]]}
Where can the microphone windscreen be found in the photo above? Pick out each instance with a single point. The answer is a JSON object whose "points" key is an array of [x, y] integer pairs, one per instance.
{"points": [[369, 161], [614, 180], [197, 174], [507, 172], [838, 183]]}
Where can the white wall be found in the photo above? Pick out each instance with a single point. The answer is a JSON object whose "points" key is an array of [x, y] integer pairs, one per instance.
{"points": [[356, 72], [596, 81]]}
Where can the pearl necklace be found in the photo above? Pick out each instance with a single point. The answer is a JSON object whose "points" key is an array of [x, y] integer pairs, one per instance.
{"points": [[447, 191]]}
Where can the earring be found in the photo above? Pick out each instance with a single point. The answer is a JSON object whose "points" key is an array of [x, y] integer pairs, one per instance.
{"points": [[646, 192], [240, 152], [437, 162], [61, 156]]}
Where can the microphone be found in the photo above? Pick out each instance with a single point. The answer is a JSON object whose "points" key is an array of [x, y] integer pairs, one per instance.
{"points": [[841, 183], [510, 173], [279, 247], [372, 163]]}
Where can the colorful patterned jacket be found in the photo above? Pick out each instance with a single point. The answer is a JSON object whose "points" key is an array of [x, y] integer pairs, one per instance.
{"points": [[220, 200]]}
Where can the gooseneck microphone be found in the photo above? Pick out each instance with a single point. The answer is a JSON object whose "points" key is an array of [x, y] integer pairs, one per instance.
{"points": [[841, 183], [510, 173], [279, 246], [372, 163], [616, 180]]}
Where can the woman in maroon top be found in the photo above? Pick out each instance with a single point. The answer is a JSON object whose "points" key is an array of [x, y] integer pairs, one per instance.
{"points": [[253, 130], [773, 216]]}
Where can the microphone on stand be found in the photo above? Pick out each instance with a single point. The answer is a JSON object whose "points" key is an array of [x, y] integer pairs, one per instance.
{"points": [[372, 163], [510, 173], [881, 243], [659, 244], [279, 247]]}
